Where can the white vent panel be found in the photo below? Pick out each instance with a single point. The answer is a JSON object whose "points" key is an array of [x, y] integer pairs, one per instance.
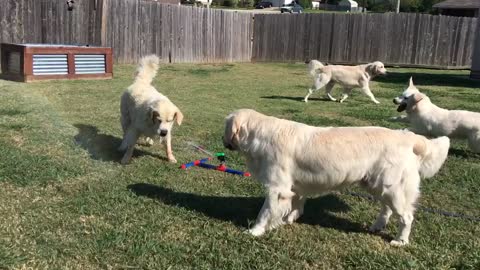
{"points": [[50, 64], [90, 64]]}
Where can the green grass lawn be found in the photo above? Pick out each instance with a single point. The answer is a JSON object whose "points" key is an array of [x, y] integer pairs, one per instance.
{"points": [[67, 203]]}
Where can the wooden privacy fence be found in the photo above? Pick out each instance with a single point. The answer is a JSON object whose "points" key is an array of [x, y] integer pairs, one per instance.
{"points": [[198, 35], [132, 28], [475, 70], [396, 39], [177, 33], [49, 21]]}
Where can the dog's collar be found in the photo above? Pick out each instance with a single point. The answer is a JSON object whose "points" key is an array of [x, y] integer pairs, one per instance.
{"points": [[419, 100], [416, 102]]}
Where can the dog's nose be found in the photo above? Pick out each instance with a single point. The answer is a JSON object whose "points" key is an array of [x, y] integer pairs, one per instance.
{"points": [[163, 132]]}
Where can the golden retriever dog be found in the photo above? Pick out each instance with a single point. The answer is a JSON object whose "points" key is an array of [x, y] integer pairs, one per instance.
{"points": [[146, 112], [428, 119], [349, 77], [294, 160]]}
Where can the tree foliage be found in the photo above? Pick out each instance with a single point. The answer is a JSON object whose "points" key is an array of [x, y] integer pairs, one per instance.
{"points": [[305, 3], [424, 6]]}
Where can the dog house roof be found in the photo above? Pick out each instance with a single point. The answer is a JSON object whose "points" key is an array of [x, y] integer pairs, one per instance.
{"points": [[55, 45]]}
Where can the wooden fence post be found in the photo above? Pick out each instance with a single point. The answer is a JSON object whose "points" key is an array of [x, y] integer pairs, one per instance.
{"points": [[475, 70], [103, 22]]}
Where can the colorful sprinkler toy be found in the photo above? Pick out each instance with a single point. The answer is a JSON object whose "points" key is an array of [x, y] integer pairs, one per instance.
{"points": [[203, 162]]}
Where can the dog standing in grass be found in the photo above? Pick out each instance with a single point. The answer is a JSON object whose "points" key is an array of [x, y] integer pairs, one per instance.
{"points": [[428, 119], [293, 160], [349, 77], [146, 112]]}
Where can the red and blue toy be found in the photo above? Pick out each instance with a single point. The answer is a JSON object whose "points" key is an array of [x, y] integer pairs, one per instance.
{"points": [[203, 163], [194, 163]]}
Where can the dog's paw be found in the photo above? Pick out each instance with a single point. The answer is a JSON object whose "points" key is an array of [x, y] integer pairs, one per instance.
{"points": [[393, 119], [290, 220], [172, 159], [376, 102], [125, 161], [375, 228], [305, 100], [330, 97], [256, 231], [398, 243], [293, 216], [122, 147], [149, 141]]}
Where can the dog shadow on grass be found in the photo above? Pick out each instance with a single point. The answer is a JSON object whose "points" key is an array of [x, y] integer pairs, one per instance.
{"points": [[429, 79], [103, 146], [299, 99], [239, 210], [321, 93], [463, 153]]}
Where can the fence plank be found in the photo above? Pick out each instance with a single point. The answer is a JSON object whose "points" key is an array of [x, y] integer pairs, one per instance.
{"points": [[396, 39], [187, 34]]}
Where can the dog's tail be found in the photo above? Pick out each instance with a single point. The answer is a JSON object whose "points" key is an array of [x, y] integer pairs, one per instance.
{"points": [[147, 69], [314, 66], [432, 153]]}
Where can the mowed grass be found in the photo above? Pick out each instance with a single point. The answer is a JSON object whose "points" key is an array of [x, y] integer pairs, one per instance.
{"points": [[67, 203]]}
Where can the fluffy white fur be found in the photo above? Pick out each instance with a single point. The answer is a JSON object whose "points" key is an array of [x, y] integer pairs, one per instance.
{"points": [[428, 119], [144, 111], [294, 160], [349, 77]]}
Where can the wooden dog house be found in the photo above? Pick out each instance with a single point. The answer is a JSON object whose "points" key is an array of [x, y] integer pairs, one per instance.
{"points": [[31, 62]]}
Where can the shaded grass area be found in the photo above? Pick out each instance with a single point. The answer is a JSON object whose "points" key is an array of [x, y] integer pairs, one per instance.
{"points": [[68, 203]]}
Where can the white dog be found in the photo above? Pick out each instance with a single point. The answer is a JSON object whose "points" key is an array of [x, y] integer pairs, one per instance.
{"points": [[294, 160], [144, 111], [430, 120], [348, 77]]}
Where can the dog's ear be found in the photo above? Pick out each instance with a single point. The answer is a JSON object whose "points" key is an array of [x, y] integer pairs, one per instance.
{"points": [[419, 148], [418, 97], [179, 117], [154, 114], [232, 130], [234, 124], [378, 69], [410, 82], [413, 101], [371, 69]]}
